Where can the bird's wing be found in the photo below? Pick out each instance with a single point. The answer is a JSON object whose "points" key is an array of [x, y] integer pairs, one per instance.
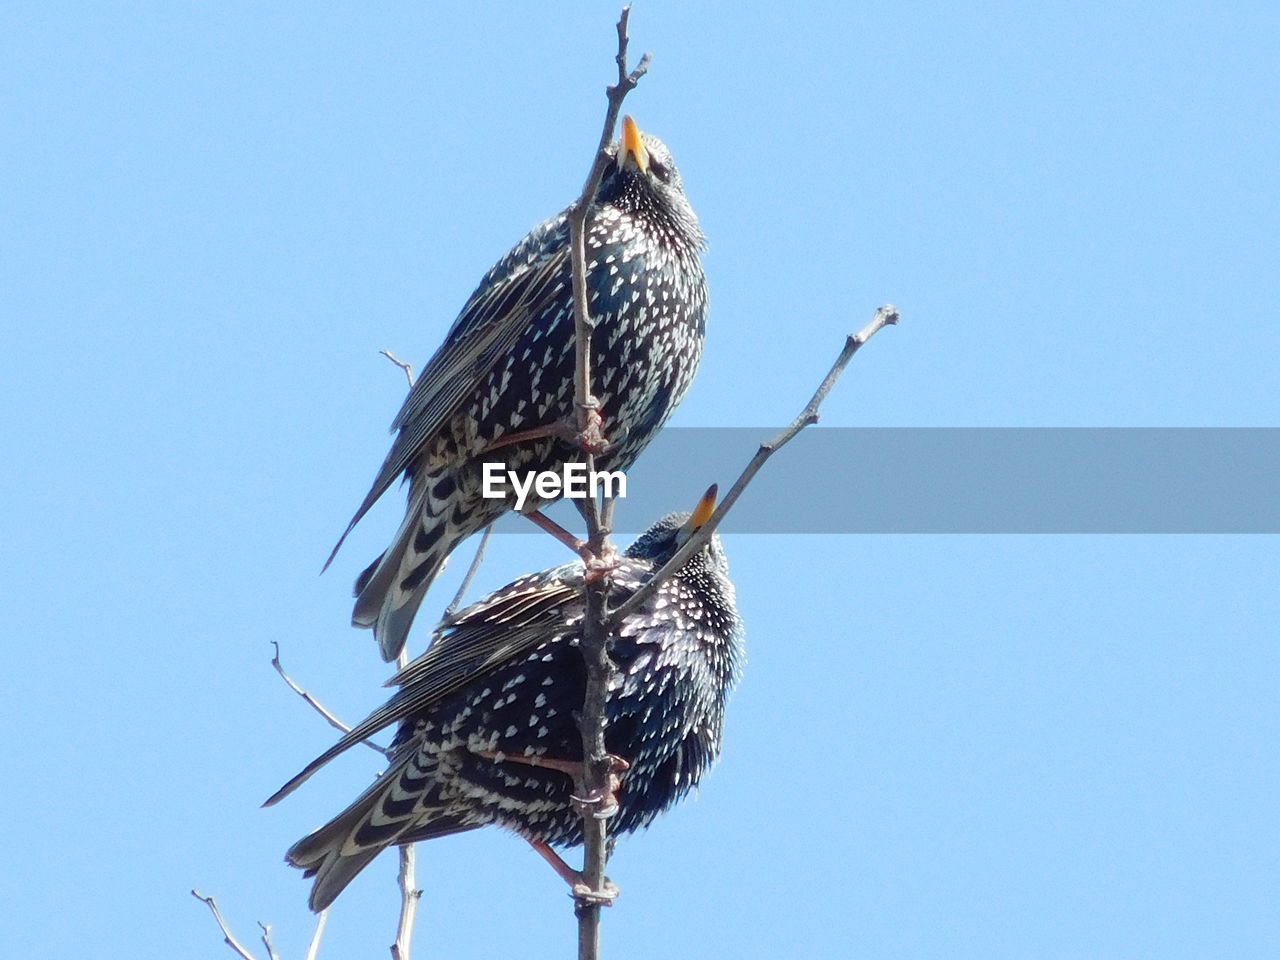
{"points": [[468, 645], [487, 328]]}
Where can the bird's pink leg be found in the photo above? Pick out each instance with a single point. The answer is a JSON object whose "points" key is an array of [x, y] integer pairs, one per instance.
{"points": [[596, 567], [574, 879], [588, 438], [576, 544]]}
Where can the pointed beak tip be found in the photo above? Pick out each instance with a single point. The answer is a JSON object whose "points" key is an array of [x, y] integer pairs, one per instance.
{"points": [[705, 508], [633, 145]]}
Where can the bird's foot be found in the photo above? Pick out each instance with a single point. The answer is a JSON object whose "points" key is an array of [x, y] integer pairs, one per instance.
{"points": [[590, 438], [603, 897], [602, 802], [582, 890], [597, 567]]}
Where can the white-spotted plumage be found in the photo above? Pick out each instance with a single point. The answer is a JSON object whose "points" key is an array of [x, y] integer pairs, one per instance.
{"points": [[506, 367], [504, 679]]}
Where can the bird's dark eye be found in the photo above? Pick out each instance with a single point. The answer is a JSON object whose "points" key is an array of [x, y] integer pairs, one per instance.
{"points": [[660, 170]]}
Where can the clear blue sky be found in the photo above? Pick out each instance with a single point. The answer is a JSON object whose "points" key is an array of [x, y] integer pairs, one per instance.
{"points": [[214, 215]]}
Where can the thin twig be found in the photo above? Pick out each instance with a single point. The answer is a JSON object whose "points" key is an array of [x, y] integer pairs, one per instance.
{"points": [[409, 894], [313, 948], [316, 705], [266, 941], [594, 643], [409, 897], [404, 933], [227, 935], [406, 367], [456, 602], [584, 324], [884, 316]]}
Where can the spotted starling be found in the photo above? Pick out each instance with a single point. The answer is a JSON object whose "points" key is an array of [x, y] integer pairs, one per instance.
{"points": [[488, 731], [501, 384]]}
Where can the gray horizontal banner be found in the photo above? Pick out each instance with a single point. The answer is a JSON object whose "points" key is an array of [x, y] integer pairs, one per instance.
{"points": [[953, 480]]}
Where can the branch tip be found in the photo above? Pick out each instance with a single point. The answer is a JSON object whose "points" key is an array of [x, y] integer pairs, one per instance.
{"points": [[406, 367], [883, 317], [329, 717], [227, 936], [266, 941], [641, 68]]}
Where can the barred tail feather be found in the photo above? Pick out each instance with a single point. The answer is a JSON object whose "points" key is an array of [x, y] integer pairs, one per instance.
{"points": [[333, 872], [387, 599], [395, 809], [390, 591], [392, 629]]}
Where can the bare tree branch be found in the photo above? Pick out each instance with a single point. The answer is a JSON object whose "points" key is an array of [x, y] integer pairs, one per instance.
{"points": [[406, 367], [596, 766], [266, 941], [313, 948], [409, 897], [227, 936], [584, 323], [409, 894], [884, 316], [316, 705], [456, 602]]}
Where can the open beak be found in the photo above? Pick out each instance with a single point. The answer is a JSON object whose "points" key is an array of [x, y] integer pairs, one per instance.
{"points": [[633, 148], [701, 514]]}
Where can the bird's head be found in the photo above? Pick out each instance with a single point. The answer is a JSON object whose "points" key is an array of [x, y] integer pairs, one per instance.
{"points": [[660, 542], [643, 179]]}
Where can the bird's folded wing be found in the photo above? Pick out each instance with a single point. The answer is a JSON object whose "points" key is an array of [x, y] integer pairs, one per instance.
{"points": [[490, 632], [486, 330]]}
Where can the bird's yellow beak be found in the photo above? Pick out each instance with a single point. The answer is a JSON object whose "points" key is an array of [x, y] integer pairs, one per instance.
{"points": [[701, 513], [633, 148]]}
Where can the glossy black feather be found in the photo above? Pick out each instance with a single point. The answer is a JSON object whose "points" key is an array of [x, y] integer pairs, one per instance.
{"points": [[506, 366], [504, 678]]}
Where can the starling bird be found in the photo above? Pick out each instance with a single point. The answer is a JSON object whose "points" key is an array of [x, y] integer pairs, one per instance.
{"points": [[488, 731], [500, 388]]}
